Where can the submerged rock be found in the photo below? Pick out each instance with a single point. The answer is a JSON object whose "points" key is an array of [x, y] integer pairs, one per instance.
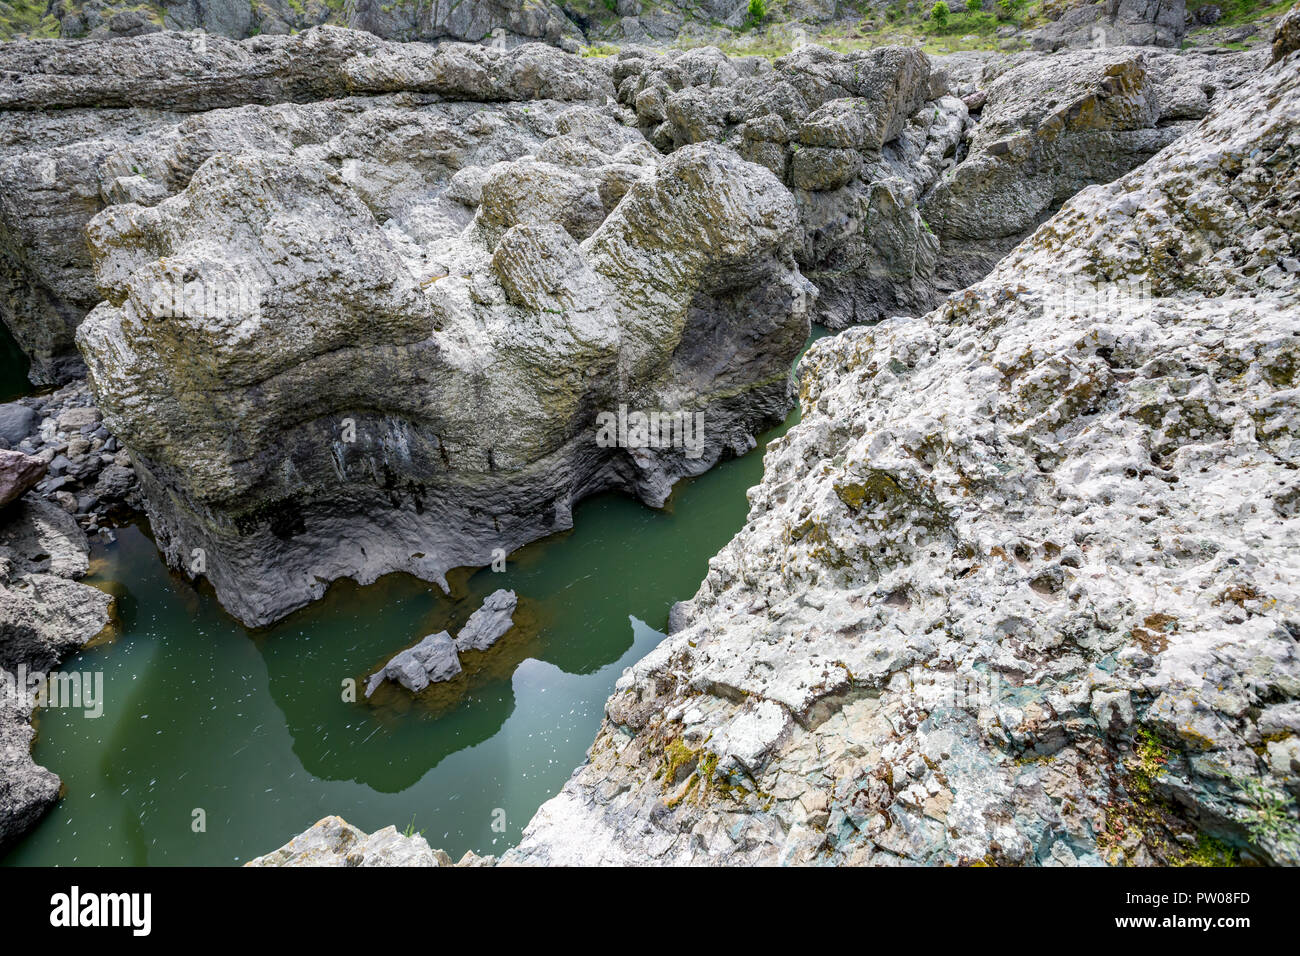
{"points": [[431, 661], [489, 623]]}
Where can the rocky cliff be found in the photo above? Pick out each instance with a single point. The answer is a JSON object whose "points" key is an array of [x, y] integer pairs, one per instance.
{"points": [[306, 403], [1021, 586], [376, 333]]}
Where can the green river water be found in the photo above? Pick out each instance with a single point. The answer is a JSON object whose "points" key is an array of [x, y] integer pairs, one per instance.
{"points": [[252, 728]]}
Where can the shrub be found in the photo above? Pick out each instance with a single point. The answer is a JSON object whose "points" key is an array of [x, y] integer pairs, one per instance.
{"points": [[938, 13], [757, 10]]}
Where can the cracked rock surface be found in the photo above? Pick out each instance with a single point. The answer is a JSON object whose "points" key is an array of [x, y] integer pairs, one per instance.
{"points": [[1022, 585]]}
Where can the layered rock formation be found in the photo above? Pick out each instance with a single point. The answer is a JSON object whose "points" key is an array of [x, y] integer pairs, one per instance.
{"points": [[338, 358], [1113, 23], [45, 615], [1021, 586], [93, 124], [503, 21], [862, 141], [907, 192]]}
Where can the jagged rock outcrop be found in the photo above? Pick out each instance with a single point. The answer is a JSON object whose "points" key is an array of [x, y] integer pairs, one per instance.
{"points": [[335, 842], [1113, 23], [875, 147], [1045, 131], [1021, 585], [862, 140], [324, 367], [45, 615], [499, 21]]}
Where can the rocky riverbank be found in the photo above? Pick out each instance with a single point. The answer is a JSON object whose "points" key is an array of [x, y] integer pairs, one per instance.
{"points": [[349, 306], [45, 615], [1021, 587]]}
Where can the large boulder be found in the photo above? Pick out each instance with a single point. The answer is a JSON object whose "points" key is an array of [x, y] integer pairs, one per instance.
{"points": [[325, 371], [18, 474]]}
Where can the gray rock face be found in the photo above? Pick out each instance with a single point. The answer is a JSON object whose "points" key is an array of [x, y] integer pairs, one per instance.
{"points": [[45, 615], [489, 623], [1115, 23], [501, 21], [875, 148], [431, 661], [323, 320], [98, 123], [1020, 587], [473, 21]]}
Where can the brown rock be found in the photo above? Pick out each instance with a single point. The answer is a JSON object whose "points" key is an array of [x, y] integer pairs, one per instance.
{"points": [[18, 473]]}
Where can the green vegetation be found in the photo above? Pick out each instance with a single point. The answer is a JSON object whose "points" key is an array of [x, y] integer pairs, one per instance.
{"points": [[1270, 820], [1236, 12], [1147, 819], [1210, 852], [757, 11], [939, 14], [26, 18]]}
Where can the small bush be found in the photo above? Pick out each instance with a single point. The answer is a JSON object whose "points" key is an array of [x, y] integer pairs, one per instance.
{"points": [[757, 10], [938, 13]]}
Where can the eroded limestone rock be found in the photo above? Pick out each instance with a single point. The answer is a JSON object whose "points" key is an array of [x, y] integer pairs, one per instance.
{"points": [[1021, 585], [387, 388]]}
